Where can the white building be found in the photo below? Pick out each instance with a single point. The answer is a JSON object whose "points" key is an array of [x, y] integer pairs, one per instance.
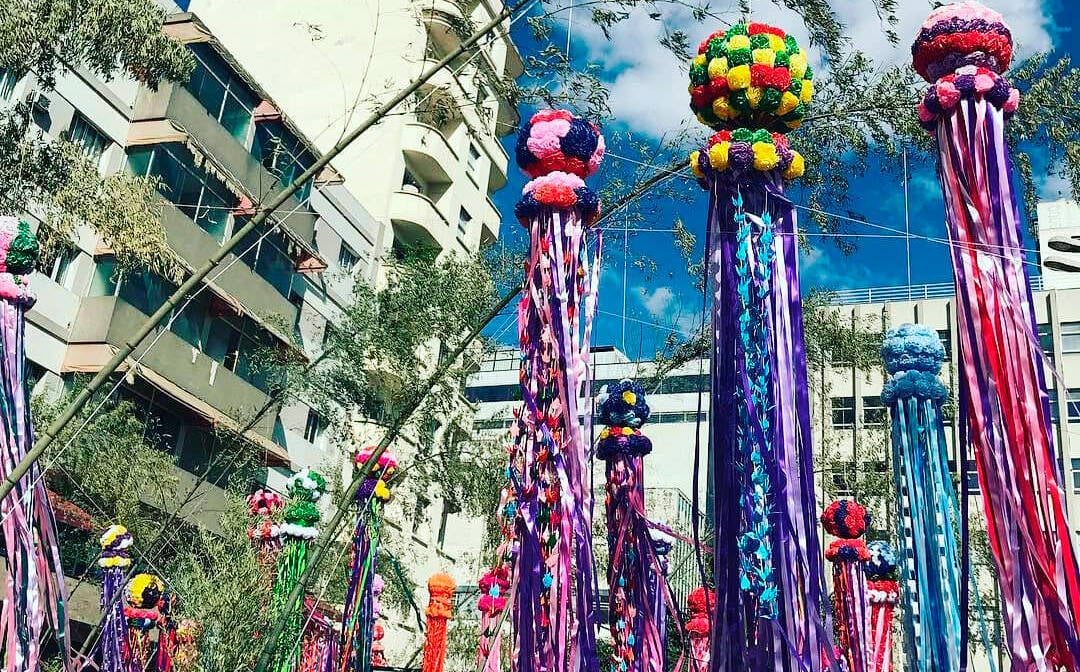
{"points": [[1059, 243]]}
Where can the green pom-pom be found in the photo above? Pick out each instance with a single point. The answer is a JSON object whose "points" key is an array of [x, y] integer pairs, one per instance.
{"points": [[707, 114], [739, 57], [809, 73], [796, 86], [742, 135], [737, 29], [770, 100], [761, 135], [783, 59], [699, 75], [759, 41], [792, 45], [795, 114], [302, 513], [715, 48], [23, 252]]}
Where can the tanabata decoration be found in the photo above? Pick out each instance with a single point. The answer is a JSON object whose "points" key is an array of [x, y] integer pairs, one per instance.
{"points": [[963, 49], [662, 544], [494, 588], [926, 497], [440, 609], [550, 547], [636, 642], [265, 530], [700, 602], [358, 618], [142, 611], [33, 598], [319, 647], [883, 593], [302, 516], [378, 654], [751, 83], [113, 649], [847, 520]]}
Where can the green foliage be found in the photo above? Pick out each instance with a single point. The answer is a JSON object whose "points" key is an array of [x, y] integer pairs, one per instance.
{"points": [[103, 36]]}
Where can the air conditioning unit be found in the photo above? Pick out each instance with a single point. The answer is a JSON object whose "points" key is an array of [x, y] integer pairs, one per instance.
{"points": [[38, 102]]}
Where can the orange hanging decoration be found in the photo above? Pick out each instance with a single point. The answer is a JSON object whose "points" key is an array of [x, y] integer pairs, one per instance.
{"points": [[440, 610]]}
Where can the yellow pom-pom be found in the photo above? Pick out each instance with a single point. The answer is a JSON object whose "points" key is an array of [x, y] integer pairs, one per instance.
{"points": [[722, 109], [753, 94], [765, 156], [807, 90], [787, 103], [776, 43], [605, 432], [629, 397], [718, 155], [382, 492], [796, 168], [738, 42], [718, 68], [738, 78], [695, 156], [797, 65], [765, 57], [627, 431], [698, 60]]}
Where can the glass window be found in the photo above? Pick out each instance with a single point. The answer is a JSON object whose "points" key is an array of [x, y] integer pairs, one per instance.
{"points": [[464, 219], [221, 92], [196, 193], [87, 138], [874, 413], [972, 475], [347, 258], [1070, 337], [1046, 340], [313, 429], [474, 158], [8, 80], [1076, 475], [1073, 401], [268, 256], [282, 154], [843, 412], [946, 342], [106, 279], [58, 266]]}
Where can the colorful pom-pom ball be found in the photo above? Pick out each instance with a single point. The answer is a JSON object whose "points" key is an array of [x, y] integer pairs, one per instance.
{"points": [[961, 34], [882, 562], [913, 347], [845, 519], [18, 247], [700, 600], [623, 404], [556, 140], [751, 75]]}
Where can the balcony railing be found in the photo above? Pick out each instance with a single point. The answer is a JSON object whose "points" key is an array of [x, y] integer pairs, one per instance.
{"points": [[935, 290]]}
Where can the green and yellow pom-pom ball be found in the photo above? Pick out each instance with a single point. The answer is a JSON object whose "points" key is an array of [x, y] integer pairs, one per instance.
{"points": [[752, 75]]}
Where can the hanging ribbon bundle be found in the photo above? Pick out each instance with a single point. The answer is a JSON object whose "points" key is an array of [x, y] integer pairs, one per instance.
{"points": [[378, 655], [963, 49], [297, 532], [700, 602], [319, 647], [847, 520], [883, 593], [751, 83], [926, 497], [662, 544], [440, 609], [34, 587], [358, 618], [494, 587], [554, 594], [143, 611], [636, 643], [265, 531], [112, 647]]}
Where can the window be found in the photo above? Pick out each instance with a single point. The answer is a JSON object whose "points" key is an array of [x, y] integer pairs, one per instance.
{"points": [[447, 509], [473, 159], [1073, 404], [313, 429], [282, 154], [1046, 340], [195, 192], [59, 266], [418, 512], [946, 342], [843, 412], [841, 474], [268, 256], [347, 259], [106, 280], [8, 80], [972, 476], [1070, 337], [874, 413], [464, 219], [221, 92], [88, 139], [1076, 475]]}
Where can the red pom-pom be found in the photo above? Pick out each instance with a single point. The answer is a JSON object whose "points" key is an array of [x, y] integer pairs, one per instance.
{"points": [[756, 28], [550, 115], [705, 43], [700, 601]]}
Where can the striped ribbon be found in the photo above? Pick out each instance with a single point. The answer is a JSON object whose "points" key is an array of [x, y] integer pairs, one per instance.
{"points": [[358, 617], [554, 589], [1008, 406], [34, 584]]}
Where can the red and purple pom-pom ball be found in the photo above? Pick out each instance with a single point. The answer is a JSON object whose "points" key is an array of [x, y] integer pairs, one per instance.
{"points": [[961, 34], [845, 519], [556, 140]]}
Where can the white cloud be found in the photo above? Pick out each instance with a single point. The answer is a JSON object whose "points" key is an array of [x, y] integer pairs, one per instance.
{"points": [[667, 309], [658, 301], [648, 89]]}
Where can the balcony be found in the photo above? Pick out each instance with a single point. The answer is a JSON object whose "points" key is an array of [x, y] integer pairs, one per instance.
{"points": [[444, 22], [194, 245], [491, 221], [428, 152], [417, 221], [172, 114], [173, 366]]}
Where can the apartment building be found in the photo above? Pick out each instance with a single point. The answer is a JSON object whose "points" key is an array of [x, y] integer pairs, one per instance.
{"points": [[425, 174]]}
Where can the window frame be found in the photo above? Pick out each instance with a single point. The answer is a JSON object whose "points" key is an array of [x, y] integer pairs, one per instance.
{"points": [[850, 424]]}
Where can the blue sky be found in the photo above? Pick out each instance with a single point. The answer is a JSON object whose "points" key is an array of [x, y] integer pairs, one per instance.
{"points": [[648, 99]]}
